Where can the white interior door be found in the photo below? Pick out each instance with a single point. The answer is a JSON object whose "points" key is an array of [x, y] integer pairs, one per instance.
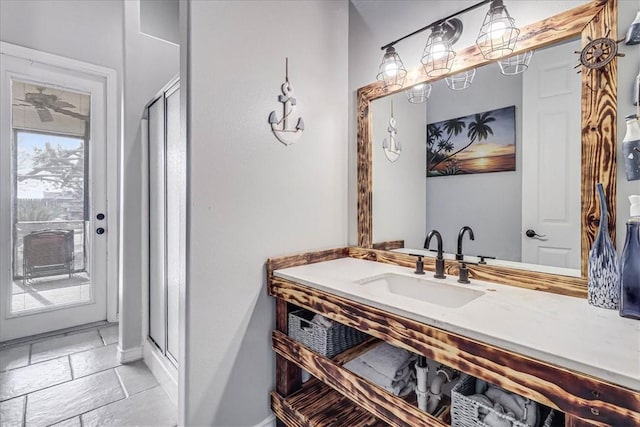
{"points": [[53, 195], [551, 158]]}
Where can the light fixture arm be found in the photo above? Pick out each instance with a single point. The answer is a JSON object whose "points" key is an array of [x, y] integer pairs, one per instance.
{"points": [[436, 23]]}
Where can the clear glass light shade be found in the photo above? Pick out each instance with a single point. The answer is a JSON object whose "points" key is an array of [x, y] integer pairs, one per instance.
{"points": [[498, 34], [438, 54], [419, 93], [391, 70], [461, 81], [515, 64]]}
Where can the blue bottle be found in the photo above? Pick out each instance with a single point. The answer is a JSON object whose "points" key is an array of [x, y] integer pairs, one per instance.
{"points": [[630, 265]]}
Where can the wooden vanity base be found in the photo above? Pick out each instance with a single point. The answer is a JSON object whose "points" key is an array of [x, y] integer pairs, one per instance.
{"points": [[586, 401]]}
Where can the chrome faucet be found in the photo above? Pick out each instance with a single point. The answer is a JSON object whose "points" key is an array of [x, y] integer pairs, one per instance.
{"points": [[439, 259], [459, 255]]}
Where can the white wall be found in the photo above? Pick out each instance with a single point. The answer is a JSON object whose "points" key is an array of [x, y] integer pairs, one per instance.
{"points": [[250, 197], [396, 215], [149, 64], [89, 31]]}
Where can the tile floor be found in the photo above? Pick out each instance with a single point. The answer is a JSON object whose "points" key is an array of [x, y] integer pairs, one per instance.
{"points": [[75, 379]]}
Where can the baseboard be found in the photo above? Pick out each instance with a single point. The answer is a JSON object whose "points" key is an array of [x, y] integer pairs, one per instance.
{"points": [[270, 421], [163, 370], [130, 355]]}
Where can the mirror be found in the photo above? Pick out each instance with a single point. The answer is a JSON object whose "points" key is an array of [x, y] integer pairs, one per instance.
{"points": [[522, 174], [598, 140]]}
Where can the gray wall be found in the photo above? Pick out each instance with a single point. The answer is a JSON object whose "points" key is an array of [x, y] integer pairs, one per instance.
{"points": [[149, 64], [490, 203], [250, 196], [159, 18]]}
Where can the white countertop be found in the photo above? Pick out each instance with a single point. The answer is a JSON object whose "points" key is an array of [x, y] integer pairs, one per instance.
{"points": [[561, 330]]}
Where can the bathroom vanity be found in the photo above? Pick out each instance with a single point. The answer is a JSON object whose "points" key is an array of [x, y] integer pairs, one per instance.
{"points": [[530, 331], [554, 349]]}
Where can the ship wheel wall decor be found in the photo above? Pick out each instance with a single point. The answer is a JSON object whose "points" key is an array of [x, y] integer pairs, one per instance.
{"points": [[597, 54]]}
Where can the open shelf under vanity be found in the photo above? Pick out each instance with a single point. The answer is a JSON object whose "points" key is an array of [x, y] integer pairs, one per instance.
{"points": [[336, 397]]}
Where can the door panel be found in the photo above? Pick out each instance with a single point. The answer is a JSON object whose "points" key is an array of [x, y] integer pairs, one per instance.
{"points": [[53, 170], [157, 242], [167, 219], [176, 230], [551, 159]]}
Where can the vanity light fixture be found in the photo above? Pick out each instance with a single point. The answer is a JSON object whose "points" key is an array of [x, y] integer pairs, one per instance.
{"points": [[497, 39], [462, 80], [391, 70], [498, 34], [515, 64], [419, 93]]}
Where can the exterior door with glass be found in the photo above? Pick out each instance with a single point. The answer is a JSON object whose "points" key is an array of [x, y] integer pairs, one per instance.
{"points": [[53, 229]]}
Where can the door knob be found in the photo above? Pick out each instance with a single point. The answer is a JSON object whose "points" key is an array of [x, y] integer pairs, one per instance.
{"points": [[100, 230], [531, 233]]}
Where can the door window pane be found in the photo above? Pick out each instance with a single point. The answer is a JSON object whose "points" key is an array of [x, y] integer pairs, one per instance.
{"points": [[51, 264]]}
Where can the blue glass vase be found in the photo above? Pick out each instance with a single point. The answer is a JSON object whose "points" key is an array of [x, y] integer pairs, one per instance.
{"points": [[630, 271], [603, 279]]}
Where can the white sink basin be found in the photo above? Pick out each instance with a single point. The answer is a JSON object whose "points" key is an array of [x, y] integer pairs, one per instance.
{"points": [[424, 289]]}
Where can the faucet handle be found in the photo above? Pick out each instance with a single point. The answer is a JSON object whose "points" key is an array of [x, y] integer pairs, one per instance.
{"points": [[483, 257], [419, 264]]}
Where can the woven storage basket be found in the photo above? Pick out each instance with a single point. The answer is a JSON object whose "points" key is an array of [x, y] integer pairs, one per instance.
{"points": [[465, 411], [326, 341]]}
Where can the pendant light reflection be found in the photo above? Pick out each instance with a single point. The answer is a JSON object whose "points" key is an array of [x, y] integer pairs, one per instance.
{"points": [[498, 34], [438, 54], [419, 93], [391, 70], [391, 146], [515, 64], [462, 80]]}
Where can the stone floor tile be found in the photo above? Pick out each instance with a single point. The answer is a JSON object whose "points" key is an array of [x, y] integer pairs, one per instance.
{"points": [[136, 377], [12, 412], [71, 422], [58, 403], [17, 382], [94, 360], [109, 334], [62, 346], [14, 357], [149, 408]]}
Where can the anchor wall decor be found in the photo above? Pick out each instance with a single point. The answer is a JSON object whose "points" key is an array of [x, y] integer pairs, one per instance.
{"points": [[392, 147], [281, 128]]}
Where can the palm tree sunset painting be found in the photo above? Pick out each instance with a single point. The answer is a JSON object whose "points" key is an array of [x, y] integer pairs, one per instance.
{"points": [[477, 143]]}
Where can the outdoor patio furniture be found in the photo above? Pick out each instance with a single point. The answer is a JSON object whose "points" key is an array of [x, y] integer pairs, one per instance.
{"points": [[48, 253]]}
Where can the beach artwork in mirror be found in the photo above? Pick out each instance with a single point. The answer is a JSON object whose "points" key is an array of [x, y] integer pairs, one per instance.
{"points": [[477, 143], [536, 128]]}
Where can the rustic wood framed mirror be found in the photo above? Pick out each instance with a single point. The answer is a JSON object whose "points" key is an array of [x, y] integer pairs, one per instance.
{"points": [[592, 20]]}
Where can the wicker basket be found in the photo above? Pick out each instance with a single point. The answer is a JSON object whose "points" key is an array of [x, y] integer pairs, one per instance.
{"points": [[465, 411], [326, 341]]}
